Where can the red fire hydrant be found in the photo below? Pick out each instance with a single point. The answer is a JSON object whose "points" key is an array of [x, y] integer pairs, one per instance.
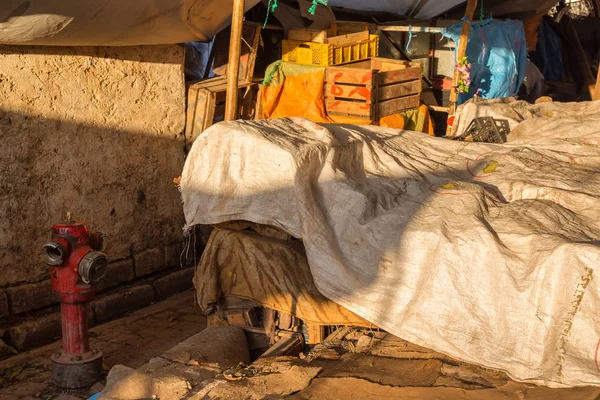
{"points": [[77, 263]]}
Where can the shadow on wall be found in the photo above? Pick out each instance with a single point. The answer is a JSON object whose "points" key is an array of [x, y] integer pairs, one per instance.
{"points": [[117, 181]]}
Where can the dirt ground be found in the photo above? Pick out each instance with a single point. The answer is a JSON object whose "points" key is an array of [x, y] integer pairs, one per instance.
{"points": [[130, 341], [367, 366], [351, 364]]}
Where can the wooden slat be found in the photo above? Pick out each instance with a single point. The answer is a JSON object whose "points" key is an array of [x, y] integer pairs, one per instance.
{"points": [[343, 27], [399, 90], [203, 113], [289, 345], [214, 81], [315, 332], [252, 60], [388, 64], [308, 35], [349, 38], [399, 75], [258, 114], [190, 114], [364, 93], [414, 29], [349, 75], [356, 108], [394, 106], [348, 92]]}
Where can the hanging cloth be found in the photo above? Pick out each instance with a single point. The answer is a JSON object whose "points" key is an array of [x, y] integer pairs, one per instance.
{"points": [[497, 52]]}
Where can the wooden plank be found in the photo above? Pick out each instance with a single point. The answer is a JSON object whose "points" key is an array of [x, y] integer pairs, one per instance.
{"points": [[363, 93], [252, 60], [398, 75], [394, 347], [202, 113], [414, 29], [345, 27], [190, 114], [290, 344], [315, 333], [355, 108], [394, 106], [356, 92], [388, 64], [214, 81], [307, 35], [399, 90], [349, 75], [349, 38], [258, 113]]}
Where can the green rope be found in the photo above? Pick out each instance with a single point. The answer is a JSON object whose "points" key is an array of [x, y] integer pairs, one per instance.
{"points": [[270, 9], [271, 73], [313, 8]]}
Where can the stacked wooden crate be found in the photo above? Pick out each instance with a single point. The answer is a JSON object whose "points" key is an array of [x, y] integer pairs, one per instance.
{"points": [[372, 89], [357, 82]]}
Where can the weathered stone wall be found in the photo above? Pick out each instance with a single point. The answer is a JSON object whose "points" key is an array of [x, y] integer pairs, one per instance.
{"points": [[98, 132]]}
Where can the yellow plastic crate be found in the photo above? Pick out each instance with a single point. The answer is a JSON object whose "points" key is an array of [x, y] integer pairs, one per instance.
{"points": [[323, 54]]}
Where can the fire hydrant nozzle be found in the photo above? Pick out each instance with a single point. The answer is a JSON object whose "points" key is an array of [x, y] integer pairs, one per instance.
{"points": [[76, 263]]}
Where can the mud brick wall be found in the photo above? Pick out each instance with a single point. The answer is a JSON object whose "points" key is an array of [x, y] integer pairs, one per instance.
{"points": [[98, 132]]}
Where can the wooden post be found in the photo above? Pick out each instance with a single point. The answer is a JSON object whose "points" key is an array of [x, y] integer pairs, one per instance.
{"points": [[597, 89], [233, 66], [462, 50]]}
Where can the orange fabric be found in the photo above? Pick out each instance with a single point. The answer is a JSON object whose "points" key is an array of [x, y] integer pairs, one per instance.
{"points": [[302, 95]]}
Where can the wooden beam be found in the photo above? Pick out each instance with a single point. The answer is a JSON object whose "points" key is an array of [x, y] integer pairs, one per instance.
{"points": [[597, 89], [233, 67], [414, 29], [461, 51]]}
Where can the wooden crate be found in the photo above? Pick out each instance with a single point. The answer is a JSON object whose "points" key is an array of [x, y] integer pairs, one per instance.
{"points": [[372, 89], [206, 104]]}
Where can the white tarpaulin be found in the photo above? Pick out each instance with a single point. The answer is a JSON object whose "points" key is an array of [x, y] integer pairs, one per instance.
{"points": [[484, 252]]}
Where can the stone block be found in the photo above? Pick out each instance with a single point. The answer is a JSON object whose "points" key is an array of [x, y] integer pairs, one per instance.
{"points": [[173, 257], [118, 272], [4, 311], [31, 296], [5, 350], [149, 261], [126, 383], [37, 332], [116, 304], [176, 282]]}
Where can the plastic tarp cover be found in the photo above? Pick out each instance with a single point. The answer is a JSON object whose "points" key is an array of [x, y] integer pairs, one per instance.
{"points": [[112, 23], [497, 52], [484, 252]]}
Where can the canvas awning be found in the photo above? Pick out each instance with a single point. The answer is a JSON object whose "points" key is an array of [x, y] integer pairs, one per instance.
{"points": [[136, 22], [112, 23]]}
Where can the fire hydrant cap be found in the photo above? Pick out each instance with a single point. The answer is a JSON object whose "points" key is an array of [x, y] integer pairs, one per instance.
{"points": [[93, 267]]}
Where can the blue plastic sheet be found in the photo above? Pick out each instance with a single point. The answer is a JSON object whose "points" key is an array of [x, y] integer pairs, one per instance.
{"points": [[497, 52]]}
